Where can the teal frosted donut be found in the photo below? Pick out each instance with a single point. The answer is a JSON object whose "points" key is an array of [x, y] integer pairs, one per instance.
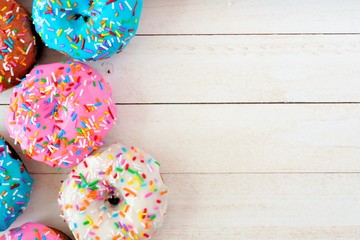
{"points": [[87, 30], [15, 185]]}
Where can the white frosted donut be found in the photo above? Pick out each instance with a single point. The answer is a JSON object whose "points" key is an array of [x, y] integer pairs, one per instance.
{"points": [[116, 193]]}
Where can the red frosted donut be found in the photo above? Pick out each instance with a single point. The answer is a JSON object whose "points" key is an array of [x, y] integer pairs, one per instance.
{"points": [[60, 113], [17, 44]]}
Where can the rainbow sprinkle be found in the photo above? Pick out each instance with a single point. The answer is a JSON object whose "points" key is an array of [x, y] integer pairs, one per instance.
{"points": [[15, 185], [17, 44], [60, 113], [34, 231], [93, 30], [116, 193]]}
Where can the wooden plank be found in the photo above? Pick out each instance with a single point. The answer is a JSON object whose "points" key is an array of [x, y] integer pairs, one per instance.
{"points": [[237, 206], [247, 16], [191, 69], [239, 138]]}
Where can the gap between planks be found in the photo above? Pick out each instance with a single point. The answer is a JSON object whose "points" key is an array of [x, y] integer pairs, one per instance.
{"points": [[238, 138], [231, 103], [228, 206], [274, 69]]}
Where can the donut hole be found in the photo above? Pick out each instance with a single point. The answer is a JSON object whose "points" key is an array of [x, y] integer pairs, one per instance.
{"points": [[78, 15], [114, 200]]}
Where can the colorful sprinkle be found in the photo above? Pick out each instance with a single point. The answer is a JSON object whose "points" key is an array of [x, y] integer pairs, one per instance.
{"points": [[34, 231], [15, 185], [94, 31], [57, 116], [111, 198], [17, 44]]}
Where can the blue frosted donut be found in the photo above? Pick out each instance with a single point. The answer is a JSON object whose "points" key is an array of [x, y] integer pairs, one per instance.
{"points": [[87, 29], [15, 185]]}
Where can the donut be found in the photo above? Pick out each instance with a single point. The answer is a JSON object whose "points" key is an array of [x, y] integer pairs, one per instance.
{"points": [[17, 44], [87, 30], [60, 113], [115, 193], [15, 185], [34, 231]]}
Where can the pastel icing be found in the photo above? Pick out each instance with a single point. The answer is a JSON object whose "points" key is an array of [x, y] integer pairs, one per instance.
{"points": [[88, 29], [116, 193], [15, 185], [34, 231], [17, 44], [60, 113]]}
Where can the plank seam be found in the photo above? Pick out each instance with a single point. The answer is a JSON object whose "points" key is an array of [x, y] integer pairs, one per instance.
{"points": [[238, 173], [230, 103], [239, 34]]}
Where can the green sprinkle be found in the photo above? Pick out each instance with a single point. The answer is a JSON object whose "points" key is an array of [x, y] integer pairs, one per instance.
{"points": [[93, 183], [131, 171], [86, 222], [82, 178], [139, 176], [116, 225], [157, 163], [119, 169], [64, 108]]}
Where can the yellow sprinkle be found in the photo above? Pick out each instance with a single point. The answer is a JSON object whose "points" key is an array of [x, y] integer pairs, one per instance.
{"points": [[89, 219], [74, 46], [59, 32]]}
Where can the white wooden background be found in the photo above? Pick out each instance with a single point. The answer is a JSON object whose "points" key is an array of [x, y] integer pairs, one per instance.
{"points": [[253, 109]]}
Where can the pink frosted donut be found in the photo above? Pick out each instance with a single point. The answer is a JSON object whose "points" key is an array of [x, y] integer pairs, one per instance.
{"points": [[36, 231], [60, 113]]}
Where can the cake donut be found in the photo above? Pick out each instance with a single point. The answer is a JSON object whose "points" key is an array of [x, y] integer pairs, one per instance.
{"points": [[89, 29], [115, 193], [60, 113], [17, 44], [34, 231], [15, 185]]}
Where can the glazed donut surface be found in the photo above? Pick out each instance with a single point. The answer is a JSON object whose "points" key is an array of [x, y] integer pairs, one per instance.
{"points": [[15, 185], [17, 44], [88, 29], [116, 193], [60, 113], [34, 231]]}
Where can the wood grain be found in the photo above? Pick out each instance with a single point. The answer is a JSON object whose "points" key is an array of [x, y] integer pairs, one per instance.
{"points": [[252, 109], [240, 138], [249, 206], [192, 69], [249, 17], [246, 16]]}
